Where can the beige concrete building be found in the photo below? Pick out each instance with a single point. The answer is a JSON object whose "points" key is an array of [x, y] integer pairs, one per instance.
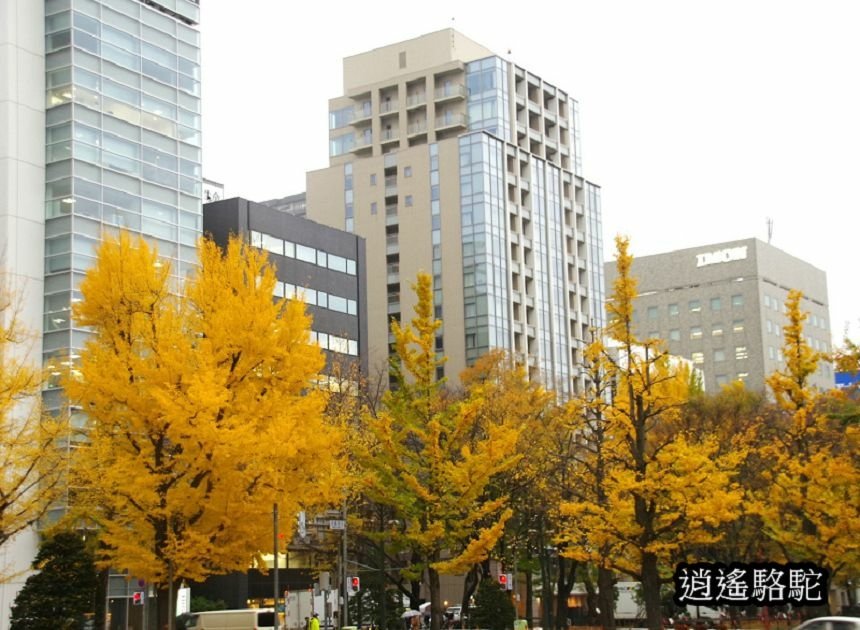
{"points": [[450, 159]]}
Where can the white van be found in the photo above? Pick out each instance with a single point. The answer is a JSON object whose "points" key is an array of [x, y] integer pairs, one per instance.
{"points": [[246, 619]]}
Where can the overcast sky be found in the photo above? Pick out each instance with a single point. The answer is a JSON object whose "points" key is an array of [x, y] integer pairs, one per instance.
{"points": [[699, 119]]}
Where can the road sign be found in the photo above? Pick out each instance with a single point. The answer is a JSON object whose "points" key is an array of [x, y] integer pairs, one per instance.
{"points": [[337, 524], [137, 598]]}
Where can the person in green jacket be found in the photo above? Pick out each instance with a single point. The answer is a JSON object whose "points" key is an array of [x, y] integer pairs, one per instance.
{"points": [[315, 622]]}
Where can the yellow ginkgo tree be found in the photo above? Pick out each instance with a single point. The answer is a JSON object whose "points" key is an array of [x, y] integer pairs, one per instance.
{"points": [[660, 489], [811, 505], [431, 459], [30, 441], [202, 412]]}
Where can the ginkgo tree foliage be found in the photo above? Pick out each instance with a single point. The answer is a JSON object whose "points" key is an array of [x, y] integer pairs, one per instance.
{"points": [[30, 441], [432, 456], [811, 504], [653, 489], [202, 412]]}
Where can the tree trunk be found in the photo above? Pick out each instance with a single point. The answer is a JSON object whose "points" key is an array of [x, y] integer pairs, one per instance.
{"points": [[470, 585], [100, 603], [435, 599], [606, 598], [546, 588], [165, 604], [530, 613], [651, 591], [564, 584]]}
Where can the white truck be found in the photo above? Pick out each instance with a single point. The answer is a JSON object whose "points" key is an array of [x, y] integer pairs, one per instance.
{"points": [[245, 619]]}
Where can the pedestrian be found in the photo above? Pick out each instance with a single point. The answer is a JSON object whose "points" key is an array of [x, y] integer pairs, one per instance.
{"points": [[314, 622], [307, 624]]}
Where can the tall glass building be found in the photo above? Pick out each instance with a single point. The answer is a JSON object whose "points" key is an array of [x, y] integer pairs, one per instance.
{"points": [[452, 160], [99, 130]]}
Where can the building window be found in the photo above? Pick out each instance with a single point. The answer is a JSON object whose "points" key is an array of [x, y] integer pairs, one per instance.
{"points": [[742, 376], [408, 201], [698, 357], [407, 171], [696, 332], [717, 330], [654, 334], [771, 353], [373, 179], [716, 304], [695, 306], [769, 326], [652, 312], [738, 326], [673, 310], [741, 353], [372, 207], [738, 300], [722, 379], [719, 355], [674, 335]]}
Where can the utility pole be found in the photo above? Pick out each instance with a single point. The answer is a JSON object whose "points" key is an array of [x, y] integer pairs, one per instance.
{"points": [[275, 560], [344, 616]]}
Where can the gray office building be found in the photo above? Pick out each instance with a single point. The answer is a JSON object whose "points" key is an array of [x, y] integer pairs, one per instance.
{"points": [[322, 265], [723, 307]]}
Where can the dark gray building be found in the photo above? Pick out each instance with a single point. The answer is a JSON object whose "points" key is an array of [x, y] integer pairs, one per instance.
{"points": [[322, 265], [723, 307]]}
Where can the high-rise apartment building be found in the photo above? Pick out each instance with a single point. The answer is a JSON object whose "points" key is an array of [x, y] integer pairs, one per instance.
{"points": [[722, 306], [450, 159], [99, 130]]}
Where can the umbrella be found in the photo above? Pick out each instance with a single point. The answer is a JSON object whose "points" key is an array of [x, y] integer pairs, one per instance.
{"points": [[410, 613], [423, 607]]}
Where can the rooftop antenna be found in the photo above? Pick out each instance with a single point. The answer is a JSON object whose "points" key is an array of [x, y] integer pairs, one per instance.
{"points": [[769, 229]]}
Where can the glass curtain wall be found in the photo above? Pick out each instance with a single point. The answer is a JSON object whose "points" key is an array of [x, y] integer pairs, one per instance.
{"points": [[123, 147], [488, 97], [485, 262]]}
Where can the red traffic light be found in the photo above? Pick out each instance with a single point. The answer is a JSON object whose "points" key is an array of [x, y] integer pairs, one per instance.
{"points": [[503, 579], [137, 598], [355, 584]]}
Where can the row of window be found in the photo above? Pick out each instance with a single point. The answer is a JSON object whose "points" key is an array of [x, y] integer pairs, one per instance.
{"points": [[316, 298], [719, 355], [696, 332], [334, 343], [303, 252], [695, 306], [774, 304]]}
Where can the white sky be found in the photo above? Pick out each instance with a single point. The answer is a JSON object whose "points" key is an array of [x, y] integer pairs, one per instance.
{"points": [[699, 119]]}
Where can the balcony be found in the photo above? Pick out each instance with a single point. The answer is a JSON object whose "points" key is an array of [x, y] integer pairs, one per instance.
{"points": [[450, 121], [389, 135], [362, 143], [449, 92], [416, 100], [417, 128], [362, 114], [388, 107]]}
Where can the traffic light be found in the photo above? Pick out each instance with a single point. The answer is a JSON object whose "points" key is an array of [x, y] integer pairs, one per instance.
{"points": [[137, 598], [503, 581], [354, 584]]}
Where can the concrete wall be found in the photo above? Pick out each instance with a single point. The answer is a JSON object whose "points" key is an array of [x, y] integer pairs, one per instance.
{"points": [[22, 208]]}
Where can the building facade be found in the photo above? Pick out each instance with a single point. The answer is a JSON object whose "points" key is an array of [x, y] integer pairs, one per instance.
{"points": [[322, 265], [454, 161], [99, 130], [723, 307]]}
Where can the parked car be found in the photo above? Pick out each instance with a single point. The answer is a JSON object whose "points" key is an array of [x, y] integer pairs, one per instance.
{"points": [[452, 613], [830, 623]]}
